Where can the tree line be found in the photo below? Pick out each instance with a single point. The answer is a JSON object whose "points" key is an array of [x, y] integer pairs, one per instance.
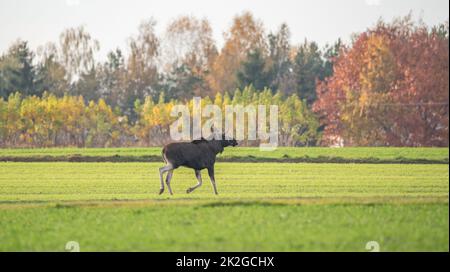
{"points": [[50, 121], [389, 86]]}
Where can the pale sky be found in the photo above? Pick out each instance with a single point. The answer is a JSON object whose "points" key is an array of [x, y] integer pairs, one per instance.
{"points": [[113, 21]]}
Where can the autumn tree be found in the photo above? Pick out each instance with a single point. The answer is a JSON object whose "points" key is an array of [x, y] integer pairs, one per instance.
{"points": [[142, 66], [77, 50], [389, 88], [246, 34], [189, 52], [299, 126]]}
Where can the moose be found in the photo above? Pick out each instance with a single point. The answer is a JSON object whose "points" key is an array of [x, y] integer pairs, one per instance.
{"points": [[198, 155]]}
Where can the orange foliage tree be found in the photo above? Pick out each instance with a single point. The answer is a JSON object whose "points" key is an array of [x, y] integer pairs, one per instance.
{"points": [[246, 34], [391, 87]]}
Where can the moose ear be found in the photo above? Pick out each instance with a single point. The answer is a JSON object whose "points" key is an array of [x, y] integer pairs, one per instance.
{"points": [[211, 136], [215, 135]]}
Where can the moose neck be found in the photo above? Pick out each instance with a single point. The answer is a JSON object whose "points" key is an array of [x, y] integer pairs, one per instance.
{"points": [[216, 146]]}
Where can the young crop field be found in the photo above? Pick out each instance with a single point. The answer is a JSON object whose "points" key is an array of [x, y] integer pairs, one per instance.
{"points": [[264, 206]]}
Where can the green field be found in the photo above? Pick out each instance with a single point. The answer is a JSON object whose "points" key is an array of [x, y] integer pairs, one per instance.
{"points": [[65, 181], [393, 154], [260, 207], [228, 228]]}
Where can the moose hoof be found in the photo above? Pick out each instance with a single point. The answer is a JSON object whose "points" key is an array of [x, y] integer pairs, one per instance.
{"points": [[161, 191]]}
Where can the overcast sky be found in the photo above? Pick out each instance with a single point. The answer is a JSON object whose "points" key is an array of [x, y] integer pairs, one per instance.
{"points": [[113, 21]]}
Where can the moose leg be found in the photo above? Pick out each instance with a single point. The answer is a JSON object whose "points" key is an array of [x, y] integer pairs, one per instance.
{"points": [[162, 170], [199, 183], [211, 176], [168, 178]]}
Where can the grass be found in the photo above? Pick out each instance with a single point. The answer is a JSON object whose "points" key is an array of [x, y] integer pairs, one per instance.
{"points": [[140, 181], [243, 154], [228, 228], [260, 207]]}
